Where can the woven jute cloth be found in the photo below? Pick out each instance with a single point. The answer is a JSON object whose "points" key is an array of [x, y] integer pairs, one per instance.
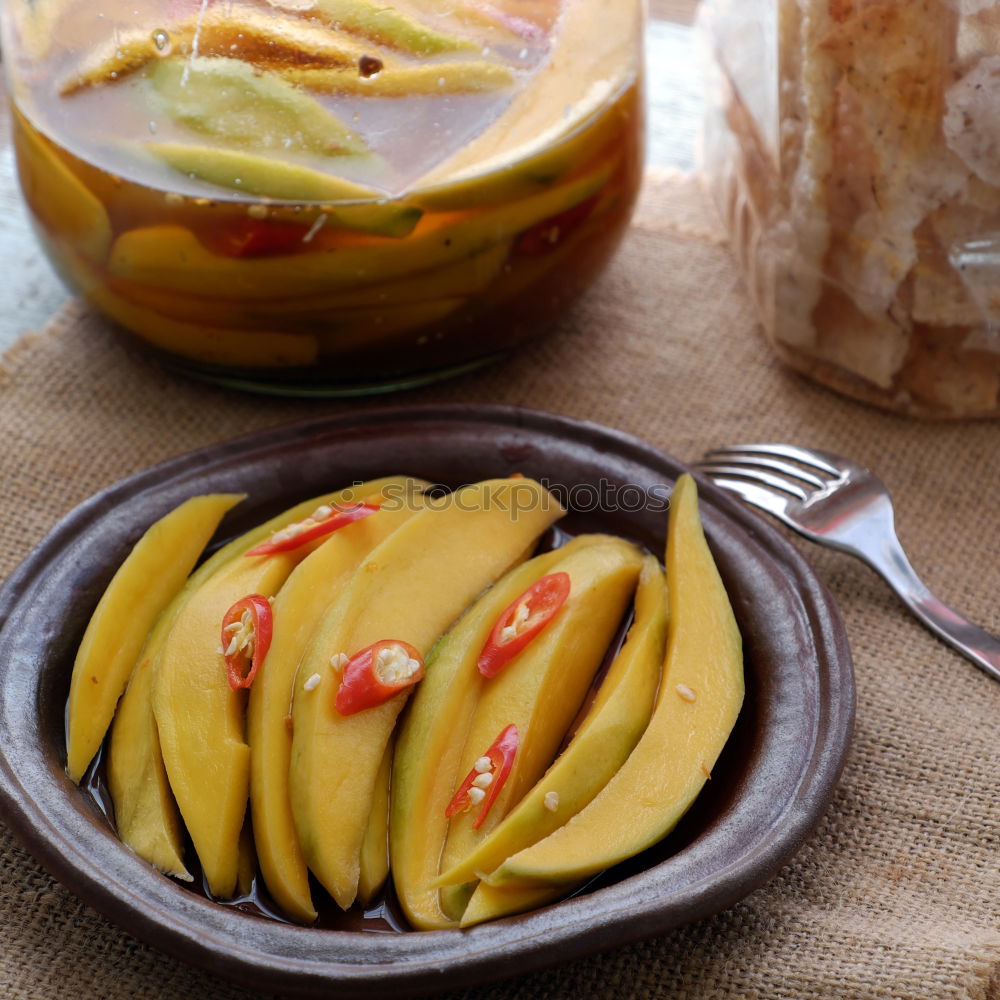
{"points": [[895, 895]]}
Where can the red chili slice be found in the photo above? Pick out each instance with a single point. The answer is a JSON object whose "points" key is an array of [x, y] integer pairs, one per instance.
{"points": [[259, 238], [323, 521], [500, 756], [543, 237], [378, 672], [522, 620], [246, 638]]}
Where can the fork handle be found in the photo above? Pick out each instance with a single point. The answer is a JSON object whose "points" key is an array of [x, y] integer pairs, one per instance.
{"points": [[970, 640]]}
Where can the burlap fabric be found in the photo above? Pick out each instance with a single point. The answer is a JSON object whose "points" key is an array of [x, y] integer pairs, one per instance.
{"points": [[896, 895]]}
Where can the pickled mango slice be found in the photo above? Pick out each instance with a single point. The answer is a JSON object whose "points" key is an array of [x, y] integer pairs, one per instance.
{"points": [[608, 734], [201, 342], [236, 31], [432, 738], [228, 99], [256, 175], [145, 583], [541, 692], [146, 814], [312, 587], [409, 81], [697, 705], [118, 58], [170, 257], [412, 586], [388, 26], [61, 202]]}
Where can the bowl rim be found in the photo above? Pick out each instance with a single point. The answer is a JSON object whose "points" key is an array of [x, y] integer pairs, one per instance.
{"points": [[289, 959]]}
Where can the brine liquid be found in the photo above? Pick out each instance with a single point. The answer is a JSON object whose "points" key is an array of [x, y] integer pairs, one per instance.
{"points": [[101, 108]]}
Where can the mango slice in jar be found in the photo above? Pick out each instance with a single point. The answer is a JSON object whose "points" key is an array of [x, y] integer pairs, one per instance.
{"points": [[170, 257], [405, 81], [215, 345], [410, 589], [541, 691], [432, 738], [150, 577], [388, 26], [61, 203], [238, 170], [230, 30], [700, 696], [229, 99], [251, 174], [609, 731], [300, 604]]}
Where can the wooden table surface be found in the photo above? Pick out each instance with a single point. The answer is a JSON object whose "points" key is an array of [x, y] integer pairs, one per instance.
{"points": [[30, 292]]}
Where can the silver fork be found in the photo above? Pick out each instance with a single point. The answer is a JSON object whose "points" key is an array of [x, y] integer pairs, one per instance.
{"points": [[840, 504]]}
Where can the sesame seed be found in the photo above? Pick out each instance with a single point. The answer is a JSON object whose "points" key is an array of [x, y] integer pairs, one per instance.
{"points": [[685, 692], [551, 801], [482, 765], [312, 683], [476, 795]]}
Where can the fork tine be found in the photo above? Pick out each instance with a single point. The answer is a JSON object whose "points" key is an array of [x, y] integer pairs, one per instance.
{"points": [[744, 473], [758, 496], [757, 461], [816, 460]]}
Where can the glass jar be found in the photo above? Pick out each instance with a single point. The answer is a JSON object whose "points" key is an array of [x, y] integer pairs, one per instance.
{"points": [[327, 196], [854, 149]]}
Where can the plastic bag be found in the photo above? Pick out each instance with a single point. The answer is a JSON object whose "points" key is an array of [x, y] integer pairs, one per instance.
{"points": [[853, 147]]}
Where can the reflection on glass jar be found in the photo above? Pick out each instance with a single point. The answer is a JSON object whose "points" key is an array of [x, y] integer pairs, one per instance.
{"points": [[854, 147], [321, 196]]}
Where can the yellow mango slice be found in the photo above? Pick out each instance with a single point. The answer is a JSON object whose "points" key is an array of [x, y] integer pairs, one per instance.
{"points": [[696, 708], [231, 100], [374, 857], [489, 902], [210, 344], [542, 690], [60, 201], [199, 718], [388, 26], [404, 81], [151, 575], [411, 587], [432, 738], [171, 257], [609, 731], [239, 170], [146, 815], [234, 30], [298, 607]]}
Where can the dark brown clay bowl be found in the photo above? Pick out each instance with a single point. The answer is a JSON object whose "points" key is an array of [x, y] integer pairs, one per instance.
{"points": [[768, 790]]}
